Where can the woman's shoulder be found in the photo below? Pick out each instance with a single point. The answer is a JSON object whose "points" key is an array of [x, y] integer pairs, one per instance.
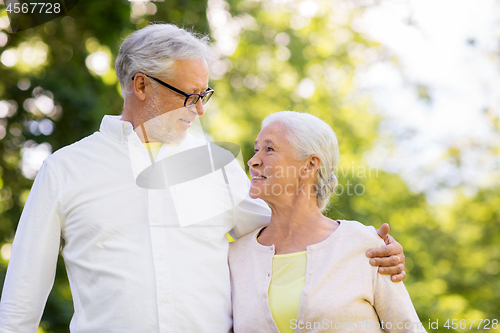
{"points": [[362, 234], [243, 244]]}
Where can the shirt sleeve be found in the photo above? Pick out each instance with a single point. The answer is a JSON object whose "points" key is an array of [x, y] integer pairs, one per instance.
{"points": [[394, 307], [32, 265], [249, 214]]}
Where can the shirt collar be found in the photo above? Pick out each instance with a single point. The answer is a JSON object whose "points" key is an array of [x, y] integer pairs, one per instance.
{"points": [[119, 130], [115, 128]]}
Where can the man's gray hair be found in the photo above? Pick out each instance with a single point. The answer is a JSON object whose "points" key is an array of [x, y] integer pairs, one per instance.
{"points": [[312, 136], [153, 50]]}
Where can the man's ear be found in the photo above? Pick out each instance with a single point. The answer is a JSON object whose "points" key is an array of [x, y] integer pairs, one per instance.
{"points": [[139, 86]]}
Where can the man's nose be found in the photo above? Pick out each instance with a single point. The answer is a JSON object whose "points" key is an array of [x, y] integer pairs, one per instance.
{"points": [[198, 108]]}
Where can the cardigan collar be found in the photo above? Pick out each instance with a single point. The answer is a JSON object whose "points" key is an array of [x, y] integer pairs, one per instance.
{"points": [[313, 247]]}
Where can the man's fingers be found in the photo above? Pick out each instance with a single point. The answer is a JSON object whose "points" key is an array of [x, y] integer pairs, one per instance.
{"points": [[392, 270], [383, 231], [380, 252], [394, 248], [386, 262], [402, 258], [389, 258], [398, 277]]}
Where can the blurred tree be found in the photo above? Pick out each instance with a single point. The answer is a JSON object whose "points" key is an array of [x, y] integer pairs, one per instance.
{"points": [[304, 56], [58, 81]]}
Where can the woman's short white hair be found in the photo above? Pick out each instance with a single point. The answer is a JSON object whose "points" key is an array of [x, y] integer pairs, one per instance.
{"points": [[153, 50], [312, 136]]}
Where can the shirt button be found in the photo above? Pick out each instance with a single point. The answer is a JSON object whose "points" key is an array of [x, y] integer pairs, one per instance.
{"points": [[136, 145], [305, 293], [164, 300], [155, 219], [265, 296], [160, 258], [311, 272]]}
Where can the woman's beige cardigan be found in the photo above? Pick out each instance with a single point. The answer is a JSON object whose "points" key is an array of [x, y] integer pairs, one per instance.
{"points": [[342, 292]]}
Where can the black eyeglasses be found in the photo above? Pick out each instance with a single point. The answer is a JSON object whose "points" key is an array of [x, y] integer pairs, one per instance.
{"points": [[191, 99]]}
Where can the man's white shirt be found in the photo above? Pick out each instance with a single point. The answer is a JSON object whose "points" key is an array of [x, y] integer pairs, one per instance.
{"points": [[139, 259]]}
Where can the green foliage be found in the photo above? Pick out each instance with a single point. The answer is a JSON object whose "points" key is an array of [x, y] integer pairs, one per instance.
{"points": [[283, 60], [452, 251]]}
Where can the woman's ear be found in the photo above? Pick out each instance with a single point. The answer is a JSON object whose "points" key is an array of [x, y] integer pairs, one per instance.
{"points": [[311, 166]]}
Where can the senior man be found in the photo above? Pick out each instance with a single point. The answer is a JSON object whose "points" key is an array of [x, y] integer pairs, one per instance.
{"points": [[138, 256]]}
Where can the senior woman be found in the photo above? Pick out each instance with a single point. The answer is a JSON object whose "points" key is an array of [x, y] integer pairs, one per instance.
{"points": [[306, 272]]}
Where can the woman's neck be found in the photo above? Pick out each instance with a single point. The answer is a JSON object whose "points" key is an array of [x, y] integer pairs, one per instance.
{"points": [[296, 225]]}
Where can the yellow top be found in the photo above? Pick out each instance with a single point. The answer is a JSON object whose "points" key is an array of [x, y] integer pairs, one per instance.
{"points": [[153, 148], [287, 282]]}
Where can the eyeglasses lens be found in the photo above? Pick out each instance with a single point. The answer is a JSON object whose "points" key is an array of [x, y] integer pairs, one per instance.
{"points": [[207, 97], [192, 100]]}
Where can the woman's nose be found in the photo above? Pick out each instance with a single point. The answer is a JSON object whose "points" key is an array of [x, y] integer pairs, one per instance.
{"points": [[254, 161]]}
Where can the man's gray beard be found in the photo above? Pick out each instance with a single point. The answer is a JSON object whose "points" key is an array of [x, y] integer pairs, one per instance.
{"points": [[160, 129], [161, 125]]}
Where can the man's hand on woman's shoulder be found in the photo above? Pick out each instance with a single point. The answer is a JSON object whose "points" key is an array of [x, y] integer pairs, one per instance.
{"points": [[390, 258]]}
